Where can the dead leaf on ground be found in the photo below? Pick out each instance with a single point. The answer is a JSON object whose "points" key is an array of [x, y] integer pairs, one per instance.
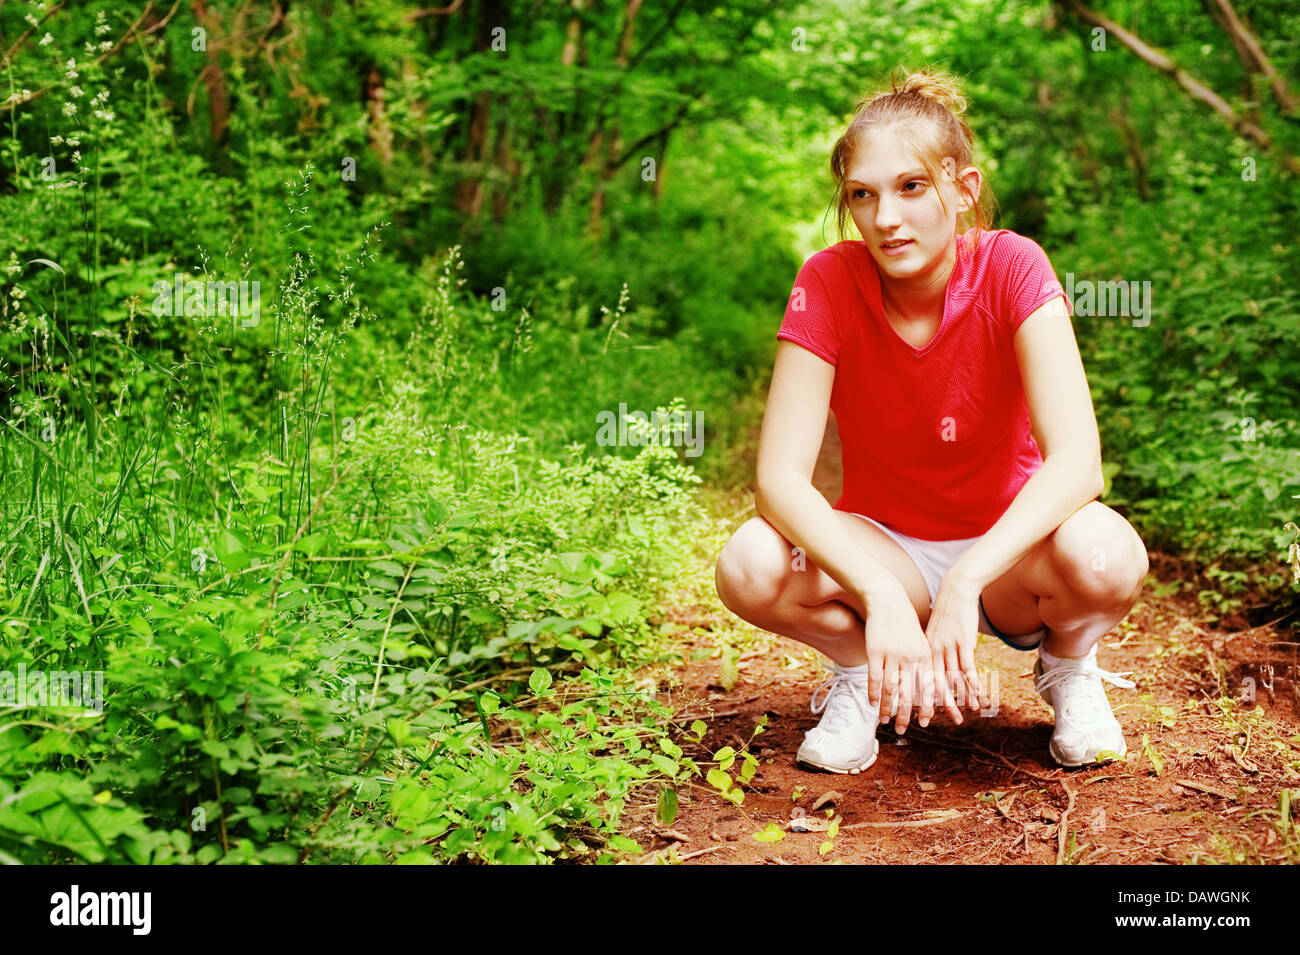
{"points": [[830, 796]]}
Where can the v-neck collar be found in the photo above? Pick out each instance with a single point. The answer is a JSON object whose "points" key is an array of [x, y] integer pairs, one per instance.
{"points": [[878, 291]]}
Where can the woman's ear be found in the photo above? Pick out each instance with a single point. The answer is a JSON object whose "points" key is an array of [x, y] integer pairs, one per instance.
{"points": [[969, 187]]}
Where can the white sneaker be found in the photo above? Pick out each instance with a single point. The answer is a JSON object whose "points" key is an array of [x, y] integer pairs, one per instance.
{"points": [[845, 739], [1085, 726]]}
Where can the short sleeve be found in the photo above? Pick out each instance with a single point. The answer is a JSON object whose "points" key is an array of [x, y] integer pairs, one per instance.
{"points": [[1030, 282], [809, 317]]}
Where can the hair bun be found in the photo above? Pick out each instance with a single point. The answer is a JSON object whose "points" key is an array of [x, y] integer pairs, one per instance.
{"points": [[941, 87]]}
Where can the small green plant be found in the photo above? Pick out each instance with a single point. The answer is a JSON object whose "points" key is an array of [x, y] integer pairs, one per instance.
{"points": [[828, 844], [721, 779]]}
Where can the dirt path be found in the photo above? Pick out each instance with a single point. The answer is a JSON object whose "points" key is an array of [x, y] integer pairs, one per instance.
{"points": [[1206, 787]]}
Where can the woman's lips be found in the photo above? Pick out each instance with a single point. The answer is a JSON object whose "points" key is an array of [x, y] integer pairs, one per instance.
{"points": [[897, 249]]}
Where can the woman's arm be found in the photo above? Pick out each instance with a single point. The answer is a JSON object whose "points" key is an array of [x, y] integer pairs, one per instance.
{"points": [[899, 673], [1065, 427], [793, 425]]}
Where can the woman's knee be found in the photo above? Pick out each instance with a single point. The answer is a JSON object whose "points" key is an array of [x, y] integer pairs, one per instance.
{"points": [[752, 567], [1102, 560]]}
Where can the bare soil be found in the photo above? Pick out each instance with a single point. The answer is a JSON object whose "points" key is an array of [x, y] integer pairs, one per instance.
{"points": [[1205, 788]]}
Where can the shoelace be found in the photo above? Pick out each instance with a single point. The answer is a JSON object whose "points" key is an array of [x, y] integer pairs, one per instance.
{"points": [[840, 687], [1086, 706]]}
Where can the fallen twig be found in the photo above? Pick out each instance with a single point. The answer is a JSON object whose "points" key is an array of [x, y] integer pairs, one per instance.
{"points": [[1202, 787], [948, 816], [700, 852], [1061, 826], [700, 716]]}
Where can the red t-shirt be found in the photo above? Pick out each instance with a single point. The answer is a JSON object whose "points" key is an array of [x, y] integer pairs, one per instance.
{"points": [[936, 440]]}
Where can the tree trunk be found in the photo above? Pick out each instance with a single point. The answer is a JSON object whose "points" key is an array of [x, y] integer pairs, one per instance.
{"points": [[509, 166], [214, 79], [378, 133], [613, 140], [1133, 146], [467, 198]]}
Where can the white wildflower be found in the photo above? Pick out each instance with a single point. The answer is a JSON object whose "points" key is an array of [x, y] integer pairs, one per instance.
{"points": [[69, 109], [46, 40]]}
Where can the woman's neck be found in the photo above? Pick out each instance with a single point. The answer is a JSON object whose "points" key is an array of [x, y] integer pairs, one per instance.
{"points": [[921, 296]]}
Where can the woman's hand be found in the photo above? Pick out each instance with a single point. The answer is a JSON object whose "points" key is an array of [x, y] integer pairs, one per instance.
{"points": [[952, 632], [899, 676]]}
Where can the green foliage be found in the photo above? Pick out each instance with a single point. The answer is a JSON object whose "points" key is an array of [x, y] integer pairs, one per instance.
{"points": [[358, 586]]}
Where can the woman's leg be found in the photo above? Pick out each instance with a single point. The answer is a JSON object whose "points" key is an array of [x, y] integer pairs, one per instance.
{"points": [[762, 579], [1079, 581]]}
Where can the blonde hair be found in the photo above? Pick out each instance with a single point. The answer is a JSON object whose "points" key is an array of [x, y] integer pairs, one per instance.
{"points": [[925, 110]]}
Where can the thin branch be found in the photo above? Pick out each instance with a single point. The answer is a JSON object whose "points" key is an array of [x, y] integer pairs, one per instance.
{"points": [[21, 99], [1198, 90], [26, 33], [1251, 51], [433, 11]]}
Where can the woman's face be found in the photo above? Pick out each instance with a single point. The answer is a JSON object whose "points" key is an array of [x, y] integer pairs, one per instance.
{"points": [[891, 198]]}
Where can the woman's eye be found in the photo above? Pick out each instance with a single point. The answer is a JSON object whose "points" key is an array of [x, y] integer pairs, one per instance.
{"points": [[916, 182], [857, 193]]}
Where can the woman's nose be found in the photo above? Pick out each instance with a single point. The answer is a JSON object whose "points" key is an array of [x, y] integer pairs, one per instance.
{"points": [[887, 216]]}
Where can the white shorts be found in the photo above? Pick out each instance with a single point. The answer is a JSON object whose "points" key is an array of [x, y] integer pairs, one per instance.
{"points": [[933, 558]]}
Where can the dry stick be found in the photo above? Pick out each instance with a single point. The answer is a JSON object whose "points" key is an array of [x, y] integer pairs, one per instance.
{"points": [[700, 716], [700, 852], [650, 857], [907, 823], [1202, 787], [1060, 826]]}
